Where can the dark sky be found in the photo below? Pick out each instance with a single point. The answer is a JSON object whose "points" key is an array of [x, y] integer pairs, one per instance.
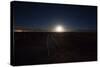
{"points": [[46, 16]]}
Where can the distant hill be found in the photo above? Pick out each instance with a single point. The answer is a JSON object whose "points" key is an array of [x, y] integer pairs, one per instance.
{"points": [[27, 29]]}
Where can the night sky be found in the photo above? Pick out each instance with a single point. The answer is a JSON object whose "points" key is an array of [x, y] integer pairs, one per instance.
{"points": [[46, 16]]}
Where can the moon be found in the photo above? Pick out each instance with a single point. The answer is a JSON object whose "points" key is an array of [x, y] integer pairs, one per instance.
{"points": [[59, 28]]}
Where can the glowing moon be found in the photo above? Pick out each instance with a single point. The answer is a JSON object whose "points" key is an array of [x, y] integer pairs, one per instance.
{"points": [[59, 29]]}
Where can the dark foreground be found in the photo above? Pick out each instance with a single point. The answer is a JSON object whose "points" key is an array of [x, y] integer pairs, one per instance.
{"points": [[45, 48]]}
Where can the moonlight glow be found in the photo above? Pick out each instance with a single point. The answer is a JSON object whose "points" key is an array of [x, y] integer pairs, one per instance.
{"points": [[59, 29]]}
